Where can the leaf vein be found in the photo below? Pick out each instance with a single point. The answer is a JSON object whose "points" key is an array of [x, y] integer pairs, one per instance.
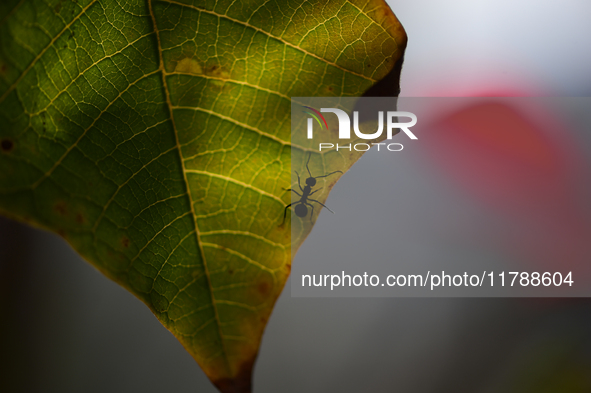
{"points": [[274, 37], [26, 71]]}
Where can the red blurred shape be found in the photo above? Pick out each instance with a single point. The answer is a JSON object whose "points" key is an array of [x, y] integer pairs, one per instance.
{"points": [[522, 164]]}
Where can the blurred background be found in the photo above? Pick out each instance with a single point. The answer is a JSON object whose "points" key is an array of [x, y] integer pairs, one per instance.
{"points": [[66, 328], [500, 47]]}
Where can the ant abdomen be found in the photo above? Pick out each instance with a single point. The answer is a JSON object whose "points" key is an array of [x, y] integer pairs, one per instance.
{"points": [[301, 210]]}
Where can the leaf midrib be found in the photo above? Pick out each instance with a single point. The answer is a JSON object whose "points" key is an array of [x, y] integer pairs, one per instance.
{"points": [[188, 190]]}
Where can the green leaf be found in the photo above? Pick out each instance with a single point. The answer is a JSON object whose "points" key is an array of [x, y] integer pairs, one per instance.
{"points": [[154, 136]]}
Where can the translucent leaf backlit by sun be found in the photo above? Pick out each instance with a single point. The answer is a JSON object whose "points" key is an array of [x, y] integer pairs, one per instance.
{"points": [[154, 136]]}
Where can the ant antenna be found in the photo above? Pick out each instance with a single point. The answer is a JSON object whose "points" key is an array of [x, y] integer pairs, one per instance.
{"points": [[318, 177]]}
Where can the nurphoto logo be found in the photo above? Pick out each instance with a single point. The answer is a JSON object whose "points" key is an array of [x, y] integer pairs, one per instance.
{"points": [[391, 120]]}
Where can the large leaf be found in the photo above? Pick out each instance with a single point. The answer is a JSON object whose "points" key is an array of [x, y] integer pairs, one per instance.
{"points": [[154, 136]]}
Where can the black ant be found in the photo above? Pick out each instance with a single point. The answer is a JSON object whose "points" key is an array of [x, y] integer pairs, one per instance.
{"points": [[300, 206]]}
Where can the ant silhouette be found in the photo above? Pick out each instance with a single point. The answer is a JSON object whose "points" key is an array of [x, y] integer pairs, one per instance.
{"points": [[300, 206]]}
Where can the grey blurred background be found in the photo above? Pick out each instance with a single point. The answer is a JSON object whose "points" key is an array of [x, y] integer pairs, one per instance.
{"points": [[66, 328], [460, 47]]}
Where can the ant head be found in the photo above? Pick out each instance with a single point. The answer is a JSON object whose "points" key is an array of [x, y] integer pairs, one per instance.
{"points": [[301, 210], [311, 181]]}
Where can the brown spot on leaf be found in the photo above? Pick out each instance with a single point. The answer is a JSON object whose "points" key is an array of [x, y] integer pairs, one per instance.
{"points": [[218, 71], [6, 145], [263, 288], [241, 383], [330, 88], [230, 271], [80, 218], [125, 241], [61, 208]]}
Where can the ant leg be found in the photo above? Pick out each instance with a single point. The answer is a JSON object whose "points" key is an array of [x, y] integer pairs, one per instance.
{"points": [[315, 191], [285, 214], [311, 214], [297, 193], [309, 156], [332, 173], [299, 185], [314, 200]]}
